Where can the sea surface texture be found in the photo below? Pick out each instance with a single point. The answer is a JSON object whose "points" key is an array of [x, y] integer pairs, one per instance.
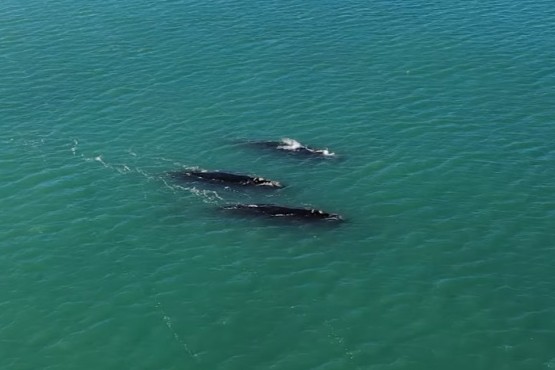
{"points": [[442, 116]]}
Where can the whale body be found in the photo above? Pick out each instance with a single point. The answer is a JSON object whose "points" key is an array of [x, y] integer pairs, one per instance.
{"points": [[226, 178], [274, 210], [293, 146]]}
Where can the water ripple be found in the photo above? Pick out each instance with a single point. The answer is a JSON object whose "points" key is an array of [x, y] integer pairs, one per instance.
{"points": [[441, 118]]}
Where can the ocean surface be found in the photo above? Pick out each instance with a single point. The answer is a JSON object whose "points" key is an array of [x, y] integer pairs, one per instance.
{"points": [[442, 116]]}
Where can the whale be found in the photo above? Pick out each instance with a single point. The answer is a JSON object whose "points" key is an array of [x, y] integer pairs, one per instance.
{"points": [[226, 178], [273, 210], [293, 146]]}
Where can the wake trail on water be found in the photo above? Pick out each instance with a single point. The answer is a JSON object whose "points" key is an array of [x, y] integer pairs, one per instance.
{"points": [[169, 324], [151, 294], [206, 196], [129, 169]]}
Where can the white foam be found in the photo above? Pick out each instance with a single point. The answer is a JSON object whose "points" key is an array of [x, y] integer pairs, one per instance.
{"points": [[290, 144], [207, 196], [327, 153], [74, 148], [122, 169], [99, 159]]}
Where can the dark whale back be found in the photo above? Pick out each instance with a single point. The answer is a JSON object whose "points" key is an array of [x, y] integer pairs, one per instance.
{"points": [[274, 210], [222, 176], [226, 178], [293, 147]]}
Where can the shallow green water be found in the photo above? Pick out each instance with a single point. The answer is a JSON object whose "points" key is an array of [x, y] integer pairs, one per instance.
{"points": [[441, 114]]}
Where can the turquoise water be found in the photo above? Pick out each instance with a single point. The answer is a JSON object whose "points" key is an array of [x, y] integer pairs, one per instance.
{"points": [[442, 116]]}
